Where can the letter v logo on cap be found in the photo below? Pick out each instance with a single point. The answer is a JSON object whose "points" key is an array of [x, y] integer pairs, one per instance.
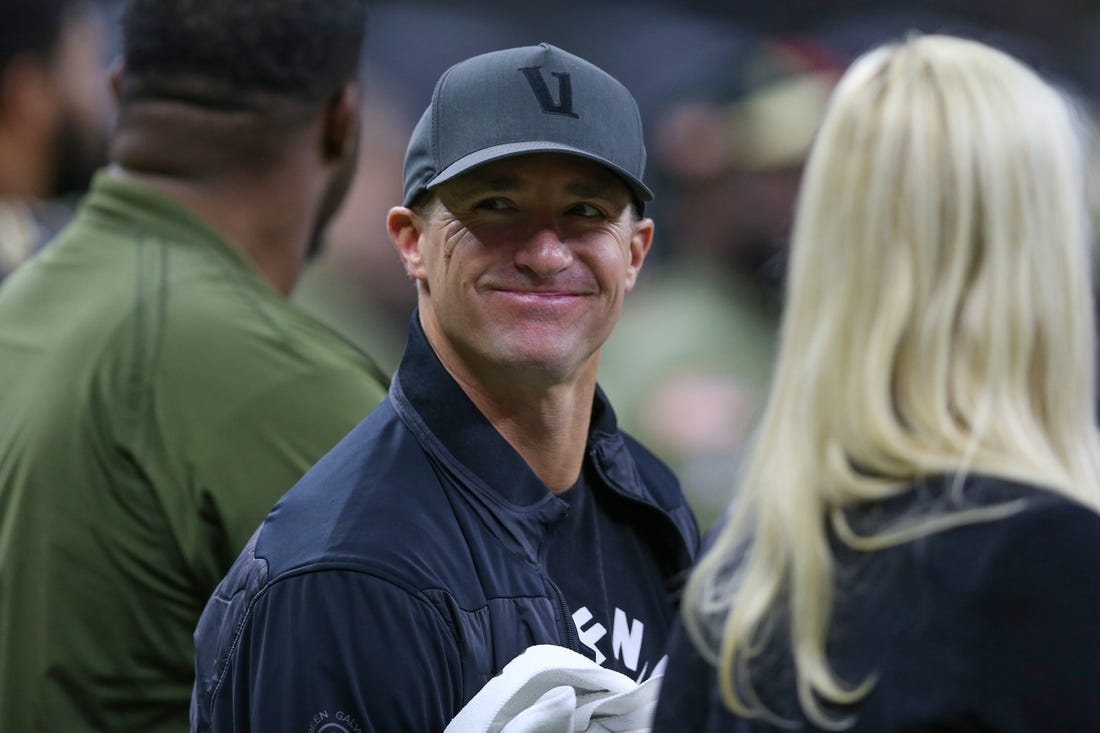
{"points": [[542, 92]]}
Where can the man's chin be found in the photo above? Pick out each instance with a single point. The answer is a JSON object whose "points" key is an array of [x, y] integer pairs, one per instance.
{"points": [[547, 361]]}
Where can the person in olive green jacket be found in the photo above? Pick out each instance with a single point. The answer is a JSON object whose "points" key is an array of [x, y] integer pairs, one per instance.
{"points": [[159, 390]]}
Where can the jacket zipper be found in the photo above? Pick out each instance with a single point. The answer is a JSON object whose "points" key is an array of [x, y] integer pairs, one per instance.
{"points": [[567, 617], [570, 630]]}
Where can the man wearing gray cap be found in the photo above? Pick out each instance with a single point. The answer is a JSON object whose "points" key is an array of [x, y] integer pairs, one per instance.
{"points": [[490, 503]]}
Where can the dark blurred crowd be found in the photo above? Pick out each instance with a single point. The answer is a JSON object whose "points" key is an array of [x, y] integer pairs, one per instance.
{"points": [[730, 94]]}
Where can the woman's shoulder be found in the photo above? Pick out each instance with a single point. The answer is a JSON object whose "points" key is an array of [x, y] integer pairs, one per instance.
{"points": [[1036, 520], [1050, 535], [964, 495]]}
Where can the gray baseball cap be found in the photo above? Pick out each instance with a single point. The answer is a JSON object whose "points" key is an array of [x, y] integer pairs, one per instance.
{"points": [[534, 99]]}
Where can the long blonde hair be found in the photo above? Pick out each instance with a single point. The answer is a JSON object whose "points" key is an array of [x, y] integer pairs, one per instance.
{"points": [[939, 319]]}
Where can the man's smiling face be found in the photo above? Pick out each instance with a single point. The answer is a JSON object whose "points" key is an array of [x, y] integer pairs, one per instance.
{"points": [[525, 263]]}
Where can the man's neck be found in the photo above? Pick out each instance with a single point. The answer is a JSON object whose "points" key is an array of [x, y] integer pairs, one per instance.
{"points": [[248, 183], [547, 426]]}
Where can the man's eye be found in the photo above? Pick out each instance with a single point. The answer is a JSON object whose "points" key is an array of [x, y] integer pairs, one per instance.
{"points": [[492, 204], [586, 210]]}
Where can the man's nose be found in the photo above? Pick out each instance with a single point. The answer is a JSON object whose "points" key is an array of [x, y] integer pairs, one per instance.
{"points": [[544, 254]]}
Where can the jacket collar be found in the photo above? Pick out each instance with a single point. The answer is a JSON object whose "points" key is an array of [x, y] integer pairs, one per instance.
{"points": [[447, 421], [508, 495]]}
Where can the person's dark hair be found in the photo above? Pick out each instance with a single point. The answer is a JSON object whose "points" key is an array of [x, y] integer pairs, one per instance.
{"points": [[228, 54], [31, 27]]}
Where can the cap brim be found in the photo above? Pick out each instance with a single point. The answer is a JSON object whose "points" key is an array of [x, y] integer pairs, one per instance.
{"points": [[510, 150]]}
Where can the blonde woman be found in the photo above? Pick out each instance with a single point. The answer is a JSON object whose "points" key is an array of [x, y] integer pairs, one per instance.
{"points": [[914, 543]]}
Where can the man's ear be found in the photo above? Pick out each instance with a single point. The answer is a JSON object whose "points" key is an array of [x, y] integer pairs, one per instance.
{"points": [[404, 226], [340, 131], [640, 243]]}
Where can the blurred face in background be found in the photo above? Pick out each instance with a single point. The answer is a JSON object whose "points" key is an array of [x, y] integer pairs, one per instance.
{"points": [[78, 77], [734, 155]]}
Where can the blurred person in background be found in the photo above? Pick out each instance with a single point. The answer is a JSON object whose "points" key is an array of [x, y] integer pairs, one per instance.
{"points": [[54, 114], [913, 541], [730, 150], [160, 390]]}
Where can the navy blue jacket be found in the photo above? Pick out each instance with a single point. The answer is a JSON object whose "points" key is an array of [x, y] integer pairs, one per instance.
{"points": [[406, 569]]}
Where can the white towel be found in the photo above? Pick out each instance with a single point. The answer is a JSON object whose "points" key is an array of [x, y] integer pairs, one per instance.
{"points": [[551, 689]]}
